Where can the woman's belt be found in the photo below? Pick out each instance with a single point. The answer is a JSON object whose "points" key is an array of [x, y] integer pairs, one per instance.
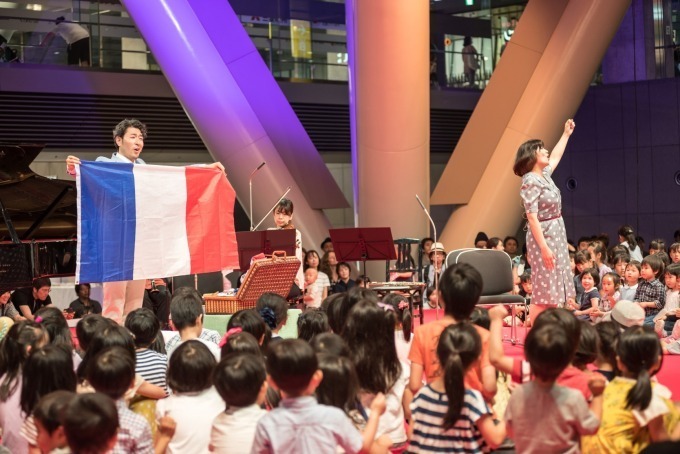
{"points": [[557, 216]]}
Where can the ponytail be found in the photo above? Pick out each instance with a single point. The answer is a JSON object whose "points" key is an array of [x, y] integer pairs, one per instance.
{"points": [[454, 383], [640, 395], [459, 347], [407, 324], [639, 350]]}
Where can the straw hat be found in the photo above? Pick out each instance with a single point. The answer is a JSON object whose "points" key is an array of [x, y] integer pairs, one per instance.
{"points": [[437, 247]]}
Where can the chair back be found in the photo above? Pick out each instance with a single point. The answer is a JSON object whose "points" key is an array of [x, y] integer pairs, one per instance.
{"points": [[495, 267]]}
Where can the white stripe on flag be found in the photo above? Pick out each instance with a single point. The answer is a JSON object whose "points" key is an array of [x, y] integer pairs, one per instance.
{"points": [[161, 246]]}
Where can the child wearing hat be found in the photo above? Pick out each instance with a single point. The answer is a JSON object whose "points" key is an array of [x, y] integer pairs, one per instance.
{"points": [[434, 269]]}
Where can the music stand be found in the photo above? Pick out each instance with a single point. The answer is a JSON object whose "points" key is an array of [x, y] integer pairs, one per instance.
{"points": [[363, 244], [263, 242]]}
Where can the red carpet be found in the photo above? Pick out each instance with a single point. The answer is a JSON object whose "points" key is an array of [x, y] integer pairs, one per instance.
{"points": [[666, 376]]}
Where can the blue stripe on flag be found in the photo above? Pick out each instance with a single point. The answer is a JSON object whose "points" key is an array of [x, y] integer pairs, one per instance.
{"points": [[107, 221]]}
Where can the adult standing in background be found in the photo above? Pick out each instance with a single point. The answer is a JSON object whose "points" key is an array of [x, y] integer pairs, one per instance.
{"points": [[470, 61], [77, 38], [546, 239], [122, 297]]}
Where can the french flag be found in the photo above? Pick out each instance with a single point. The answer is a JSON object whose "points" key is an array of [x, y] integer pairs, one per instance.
{"points": [[148, 221]]}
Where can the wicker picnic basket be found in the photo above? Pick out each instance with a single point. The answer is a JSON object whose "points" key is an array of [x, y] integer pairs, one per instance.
{"points": [[272, 274]]}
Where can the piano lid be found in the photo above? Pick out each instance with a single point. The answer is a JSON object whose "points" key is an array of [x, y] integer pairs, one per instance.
{"points": [[39, 207]]}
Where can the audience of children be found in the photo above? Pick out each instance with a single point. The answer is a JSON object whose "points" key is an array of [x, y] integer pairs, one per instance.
{"points": [[356, 392]]}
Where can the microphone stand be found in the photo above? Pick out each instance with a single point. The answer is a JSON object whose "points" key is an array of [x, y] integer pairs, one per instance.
{"points": [[271, 209], [250, 187], [436, 275]]}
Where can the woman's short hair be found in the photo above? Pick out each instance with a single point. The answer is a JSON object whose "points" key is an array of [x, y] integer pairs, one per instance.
{"points": [[526, 156]]}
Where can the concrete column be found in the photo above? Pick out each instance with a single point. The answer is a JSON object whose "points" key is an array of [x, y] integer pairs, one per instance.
{"points": [[238, 108], [539, 83], [388, 45]]}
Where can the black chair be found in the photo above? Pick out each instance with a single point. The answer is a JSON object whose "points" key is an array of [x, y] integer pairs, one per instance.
{"points": [[496, 270]]}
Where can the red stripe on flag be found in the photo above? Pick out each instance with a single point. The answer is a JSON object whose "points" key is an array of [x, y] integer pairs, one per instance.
{"points": [[210, 220]]}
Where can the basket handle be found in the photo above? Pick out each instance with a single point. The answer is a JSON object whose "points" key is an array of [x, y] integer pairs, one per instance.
{"points": [[278, 255]]}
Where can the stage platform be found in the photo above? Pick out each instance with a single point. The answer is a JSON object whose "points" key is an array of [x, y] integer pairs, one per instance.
{"points": [[218, 322]]}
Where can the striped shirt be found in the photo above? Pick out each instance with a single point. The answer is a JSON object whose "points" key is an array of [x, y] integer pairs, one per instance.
{"points": [[152, 366], [429, 408]]}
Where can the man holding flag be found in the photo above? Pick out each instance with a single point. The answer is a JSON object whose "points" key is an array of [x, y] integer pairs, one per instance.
{"points": [[102, 244]]}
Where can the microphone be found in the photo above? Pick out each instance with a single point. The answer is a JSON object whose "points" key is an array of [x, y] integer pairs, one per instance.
{"points": [[421, 204], [434, 230], [250, 191]]}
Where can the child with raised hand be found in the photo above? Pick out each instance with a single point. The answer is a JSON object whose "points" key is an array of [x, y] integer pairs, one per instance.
{"points": [[48, 416], [447, 416], [404, 328], [577, 375], [541, 416], [194, 403], [369, 334], [300, 425], [240, 379], [22, 338], [460, 287], [651, 294], [151, 365], [635, 410], [520, 369]]}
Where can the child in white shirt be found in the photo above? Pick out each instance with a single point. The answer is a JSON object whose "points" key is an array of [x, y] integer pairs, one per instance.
{"points": [[240, 380]]}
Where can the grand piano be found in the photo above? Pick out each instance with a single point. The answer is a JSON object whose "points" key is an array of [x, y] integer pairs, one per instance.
{"points": [[38, 235]]}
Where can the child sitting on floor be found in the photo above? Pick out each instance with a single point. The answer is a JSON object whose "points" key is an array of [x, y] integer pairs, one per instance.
{"points": [[293, 369], [48, 416], [635, 410], [194, 402], [240, 379], [447, 416], [459, 290], [542, 416]]}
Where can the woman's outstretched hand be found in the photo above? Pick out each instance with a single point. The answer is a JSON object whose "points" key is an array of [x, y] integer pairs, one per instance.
{"points": [[569, 127]]}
